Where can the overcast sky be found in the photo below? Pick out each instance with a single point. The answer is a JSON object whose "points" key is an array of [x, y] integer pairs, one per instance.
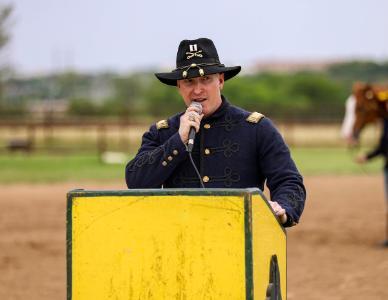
{"points": [[123, 35]]}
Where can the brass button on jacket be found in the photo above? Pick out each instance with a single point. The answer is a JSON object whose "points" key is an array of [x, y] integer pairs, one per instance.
{"points": [[206, 126], [205, 179], [207, 151]]}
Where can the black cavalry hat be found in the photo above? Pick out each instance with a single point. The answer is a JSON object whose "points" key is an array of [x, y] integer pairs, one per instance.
{"points": [[196, 58]]}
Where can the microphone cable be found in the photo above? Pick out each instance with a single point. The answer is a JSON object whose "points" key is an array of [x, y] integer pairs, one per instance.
{"points": [[196, 170]]}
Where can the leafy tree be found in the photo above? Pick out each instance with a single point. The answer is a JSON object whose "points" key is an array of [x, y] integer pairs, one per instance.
{"points": [[83, 107], [5, 12], [359, 71], [129, 93], [317, 95], [162, 100]]}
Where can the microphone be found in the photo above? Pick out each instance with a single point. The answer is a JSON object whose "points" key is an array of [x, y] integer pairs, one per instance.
{"points": [[190, 144]]}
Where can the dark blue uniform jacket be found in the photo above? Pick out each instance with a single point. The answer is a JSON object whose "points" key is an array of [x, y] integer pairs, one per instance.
{"points": [[382, 147], [229, 152]]}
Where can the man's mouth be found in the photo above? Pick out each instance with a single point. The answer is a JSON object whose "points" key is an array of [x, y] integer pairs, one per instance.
{"points": [[199, 100]]}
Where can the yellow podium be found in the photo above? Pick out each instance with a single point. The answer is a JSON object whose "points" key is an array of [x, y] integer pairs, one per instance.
{"points": [[179, 244]]}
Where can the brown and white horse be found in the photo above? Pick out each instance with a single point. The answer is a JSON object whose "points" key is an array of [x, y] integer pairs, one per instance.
{"points": [[366, 104]]}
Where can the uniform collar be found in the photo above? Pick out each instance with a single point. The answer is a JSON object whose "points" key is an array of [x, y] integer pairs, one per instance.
{"points": [[221, 110]]}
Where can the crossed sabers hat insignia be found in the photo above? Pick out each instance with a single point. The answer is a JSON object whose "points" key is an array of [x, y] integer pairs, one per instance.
{"points": [[194, 53]]}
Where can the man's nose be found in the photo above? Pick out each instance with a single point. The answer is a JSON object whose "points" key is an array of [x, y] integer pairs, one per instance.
{"points": [[198, 88]]}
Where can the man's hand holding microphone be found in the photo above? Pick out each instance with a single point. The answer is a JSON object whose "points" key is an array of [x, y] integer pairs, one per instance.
{"points": [[189, 124]]}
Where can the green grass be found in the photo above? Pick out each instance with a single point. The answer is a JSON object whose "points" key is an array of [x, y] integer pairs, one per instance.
{"points": [[335, 161], [20, 167], [56, 168]]}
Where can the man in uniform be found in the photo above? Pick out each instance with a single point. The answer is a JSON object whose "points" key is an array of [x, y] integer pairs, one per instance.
{"points": [[233, 148]]}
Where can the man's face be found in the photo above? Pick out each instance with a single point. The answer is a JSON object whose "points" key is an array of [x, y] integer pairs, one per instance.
{"points": [[205, 90]]}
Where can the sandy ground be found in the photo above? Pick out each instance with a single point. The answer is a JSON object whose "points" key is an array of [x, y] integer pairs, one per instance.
{"points": [[332, 254]]}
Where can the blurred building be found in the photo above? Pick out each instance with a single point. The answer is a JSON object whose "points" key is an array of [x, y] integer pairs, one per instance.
{"points": [[289, 66]]}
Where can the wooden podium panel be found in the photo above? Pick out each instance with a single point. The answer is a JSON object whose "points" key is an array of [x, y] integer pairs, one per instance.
{"points": [[172, 244]]}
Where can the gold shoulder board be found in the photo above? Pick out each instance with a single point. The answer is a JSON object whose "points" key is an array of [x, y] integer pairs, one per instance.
{"points": [[162, 124], [255, 117]]}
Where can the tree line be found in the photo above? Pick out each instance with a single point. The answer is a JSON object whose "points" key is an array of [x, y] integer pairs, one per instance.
{"points": [[302, 95]]}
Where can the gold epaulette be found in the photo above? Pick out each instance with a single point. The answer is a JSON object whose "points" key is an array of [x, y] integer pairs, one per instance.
{"points": [[162, 124], [255, 117]]}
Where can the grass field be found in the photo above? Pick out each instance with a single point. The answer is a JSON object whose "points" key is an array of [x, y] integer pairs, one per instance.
{"points": [[318, 161], [19, 167], [56, 168]]}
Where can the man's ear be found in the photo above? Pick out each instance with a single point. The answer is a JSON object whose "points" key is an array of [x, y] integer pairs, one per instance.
{"points": [[221, 79]]}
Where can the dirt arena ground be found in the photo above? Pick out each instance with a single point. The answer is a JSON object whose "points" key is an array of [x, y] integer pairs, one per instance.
{"points": [[332, 254]]}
